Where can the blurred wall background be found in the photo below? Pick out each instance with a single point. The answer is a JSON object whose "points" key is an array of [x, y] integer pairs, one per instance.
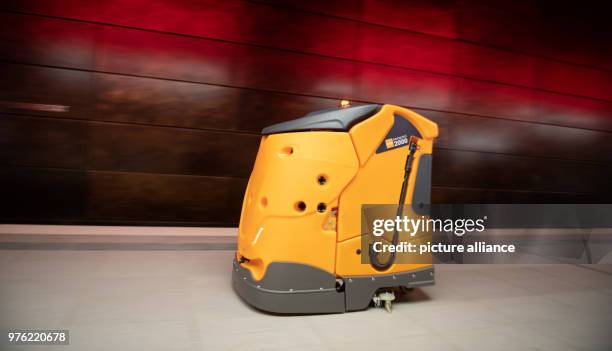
{"points": [[148, 112]]}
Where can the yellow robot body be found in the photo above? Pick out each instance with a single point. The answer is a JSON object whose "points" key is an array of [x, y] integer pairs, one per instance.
{"points": [[299, 237]]}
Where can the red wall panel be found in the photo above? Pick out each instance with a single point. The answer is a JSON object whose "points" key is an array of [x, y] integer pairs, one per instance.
{"points": [[251, 23]]}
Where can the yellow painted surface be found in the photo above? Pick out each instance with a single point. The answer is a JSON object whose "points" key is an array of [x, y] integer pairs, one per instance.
{"points": [[378, 182], [286, 172], [350, 262]]}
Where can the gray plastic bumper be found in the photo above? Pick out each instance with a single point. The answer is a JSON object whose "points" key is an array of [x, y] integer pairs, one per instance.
{"points": [[296, 288], [289, 288]]}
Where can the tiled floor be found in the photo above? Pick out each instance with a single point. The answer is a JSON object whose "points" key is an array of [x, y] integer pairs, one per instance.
{"points": [[182, 300]]}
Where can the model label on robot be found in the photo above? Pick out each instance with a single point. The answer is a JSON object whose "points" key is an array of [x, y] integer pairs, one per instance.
{"points": [[397, 141], [398, 135]]}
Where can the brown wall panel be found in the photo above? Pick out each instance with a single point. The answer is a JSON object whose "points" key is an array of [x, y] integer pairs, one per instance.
{"points": [[145, 149], [25, 89], [42, 142], [426, 91], [467, 169], [120, 147], [194, 105], [51, 142], [449, 195], [47, 91], [42, 195], [164, 102], [60, 196], [154, 198], [259, 109], [191, 105], [488, 99], [180, 151], [39, 195], [473, 133]]}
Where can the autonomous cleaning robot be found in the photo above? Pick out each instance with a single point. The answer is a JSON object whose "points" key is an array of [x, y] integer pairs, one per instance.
{"points": [[299, 241]]}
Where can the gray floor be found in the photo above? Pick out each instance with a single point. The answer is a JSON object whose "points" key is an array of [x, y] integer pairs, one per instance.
{"points": [[182, 300]]}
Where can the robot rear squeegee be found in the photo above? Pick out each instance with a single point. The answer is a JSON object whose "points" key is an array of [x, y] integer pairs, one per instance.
{"points": [[299, 239]]}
